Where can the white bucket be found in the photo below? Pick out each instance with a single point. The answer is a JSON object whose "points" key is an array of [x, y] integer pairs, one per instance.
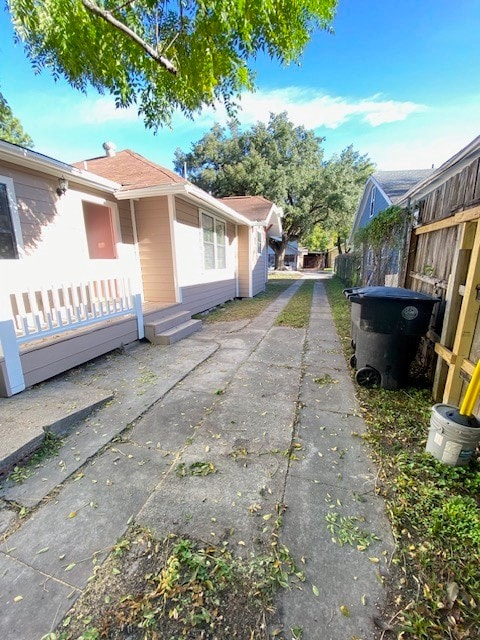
{"points": [[449, 441]]}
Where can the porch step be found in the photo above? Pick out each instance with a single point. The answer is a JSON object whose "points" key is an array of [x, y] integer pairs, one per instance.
{"points": [[170, 330]]}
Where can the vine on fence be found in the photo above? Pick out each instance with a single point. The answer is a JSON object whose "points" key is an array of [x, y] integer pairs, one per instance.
{"points": [[383, 231]]}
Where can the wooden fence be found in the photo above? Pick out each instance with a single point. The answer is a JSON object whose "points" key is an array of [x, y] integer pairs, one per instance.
{"points": [[348, 267], [444, 260]]}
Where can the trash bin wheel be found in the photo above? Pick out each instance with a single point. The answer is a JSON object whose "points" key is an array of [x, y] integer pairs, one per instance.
{"points": [[368, 377], [353, 361]]}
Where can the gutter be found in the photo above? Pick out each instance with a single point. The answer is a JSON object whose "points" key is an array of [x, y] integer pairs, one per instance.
{"points": [[189, 190], [34, 160]]}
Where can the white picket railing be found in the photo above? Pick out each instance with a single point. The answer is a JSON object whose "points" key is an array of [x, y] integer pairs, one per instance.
{"points": [[49, 311], [66, 307]]}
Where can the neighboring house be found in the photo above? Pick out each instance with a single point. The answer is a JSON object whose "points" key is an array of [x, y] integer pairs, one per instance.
{"points": [[265, 217], [382, 190], [100, 254], [293, 255]]}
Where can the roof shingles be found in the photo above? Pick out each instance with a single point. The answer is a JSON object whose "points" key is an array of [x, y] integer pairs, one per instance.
{"points": [[255, 208], [396, 183], [131, 170]]}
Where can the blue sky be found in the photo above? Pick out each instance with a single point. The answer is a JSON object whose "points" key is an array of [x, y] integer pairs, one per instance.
{"points": [[398, 79]]}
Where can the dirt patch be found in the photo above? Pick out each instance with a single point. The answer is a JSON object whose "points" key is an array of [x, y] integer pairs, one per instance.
{"points": [[177, 588]]}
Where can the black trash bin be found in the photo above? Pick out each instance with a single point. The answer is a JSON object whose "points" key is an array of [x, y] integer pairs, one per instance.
{"points": [[387, 324]]}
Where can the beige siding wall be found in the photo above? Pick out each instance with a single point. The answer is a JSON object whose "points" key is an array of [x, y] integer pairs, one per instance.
{"points": [[125, 218], [155, 249], [54, 235], [201, 297], [243, 262], [187, 213], [62, 354]]}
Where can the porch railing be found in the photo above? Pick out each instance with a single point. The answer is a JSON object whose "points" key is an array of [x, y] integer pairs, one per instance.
{"points": [[66, 307], [49, 311]]}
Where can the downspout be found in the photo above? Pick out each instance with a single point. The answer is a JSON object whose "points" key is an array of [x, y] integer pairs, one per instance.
{"points": [[236, 271], [138, 284], [138, 265], [250, 270], [172, 220]]}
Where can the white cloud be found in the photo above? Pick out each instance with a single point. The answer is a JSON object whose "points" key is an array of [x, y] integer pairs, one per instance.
{"points": [[313, 109], [102, 110], [419, 153]]}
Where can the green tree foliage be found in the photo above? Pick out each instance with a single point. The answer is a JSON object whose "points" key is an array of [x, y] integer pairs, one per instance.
{"points": [[277, 160], [343, 180], [285, 164], [11, 128], [164, 56], [318, 240]]}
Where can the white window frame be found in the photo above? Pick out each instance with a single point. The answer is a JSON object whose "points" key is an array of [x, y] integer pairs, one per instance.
{"points": [[14, 216], [372, 203], [216, 221], [259, 241]]}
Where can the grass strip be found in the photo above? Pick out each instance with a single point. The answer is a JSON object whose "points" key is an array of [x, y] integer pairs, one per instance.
{"points": [[248, 308], [297, 311], [434, 593]]}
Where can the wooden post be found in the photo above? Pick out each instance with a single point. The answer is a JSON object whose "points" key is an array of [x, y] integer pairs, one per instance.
{"points": [[137, 301], [458, 276], [14, 381], [466, 323]]}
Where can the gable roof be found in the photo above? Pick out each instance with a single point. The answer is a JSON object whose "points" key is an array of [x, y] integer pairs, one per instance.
{"points": [[392, 184], [258, 209], [131, 170], [255, 208], [449, 168], [395, 184]]}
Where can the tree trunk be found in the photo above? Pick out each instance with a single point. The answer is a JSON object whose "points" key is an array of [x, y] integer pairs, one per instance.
{"points": [[279, 247], [339, 244]]}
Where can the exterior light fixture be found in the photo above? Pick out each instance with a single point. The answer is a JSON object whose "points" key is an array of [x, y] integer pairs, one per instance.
{"points": [[62, 186]]}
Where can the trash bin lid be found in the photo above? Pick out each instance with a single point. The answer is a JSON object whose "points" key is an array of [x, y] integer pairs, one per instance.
{"points": [[390, 293]]}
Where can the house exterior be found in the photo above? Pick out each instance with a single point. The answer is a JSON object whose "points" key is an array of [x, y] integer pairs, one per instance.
{"points": [[293, 256], [265, 218], [101, 253], [382, 190]]}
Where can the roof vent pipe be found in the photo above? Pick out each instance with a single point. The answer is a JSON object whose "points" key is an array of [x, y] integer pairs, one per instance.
{"points": [[110, 149]]}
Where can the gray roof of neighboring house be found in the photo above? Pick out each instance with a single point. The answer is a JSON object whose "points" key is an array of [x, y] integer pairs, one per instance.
{"points": [[396, 183]]}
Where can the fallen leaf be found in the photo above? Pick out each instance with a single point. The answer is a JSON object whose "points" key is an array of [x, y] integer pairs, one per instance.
{"points": [[315, 590], [70, 566], [344, 610], [452, 592], [72, 514], [18, 598], [374, 560]]}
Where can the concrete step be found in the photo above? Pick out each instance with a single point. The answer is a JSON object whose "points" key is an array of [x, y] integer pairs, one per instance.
{"points": [[157, 327], [176, 333]]}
